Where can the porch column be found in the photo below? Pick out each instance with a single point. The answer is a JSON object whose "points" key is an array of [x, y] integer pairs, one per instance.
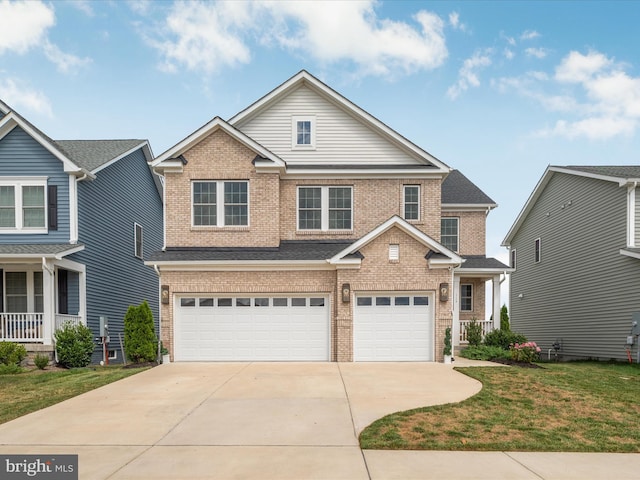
{"points": [[455, 331], [82, 293], [48, 300], [496, 302]]}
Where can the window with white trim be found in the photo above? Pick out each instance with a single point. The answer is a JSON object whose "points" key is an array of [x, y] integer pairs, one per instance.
{"points": [[325, 208], [513, 258], [536, 251], [411, 202], [303, 130], [450, 232], [23, 205], [466, 297], [220, 203], [137, 238], [23, 291]]}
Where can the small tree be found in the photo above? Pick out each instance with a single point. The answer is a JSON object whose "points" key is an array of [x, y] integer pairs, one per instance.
{"points": [[140, 342], [447, 342], [504, 319], [474, 333], [74, 345]]}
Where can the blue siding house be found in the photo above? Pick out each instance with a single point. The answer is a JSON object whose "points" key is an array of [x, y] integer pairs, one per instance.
{"points": [[77, 218]]}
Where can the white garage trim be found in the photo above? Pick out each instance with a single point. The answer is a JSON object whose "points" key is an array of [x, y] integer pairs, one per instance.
{"points": [[252, 327], [393, 326]]}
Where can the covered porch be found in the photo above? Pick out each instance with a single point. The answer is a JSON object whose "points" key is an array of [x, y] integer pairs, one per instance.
{"points": [[476, 292], [40, 291]]}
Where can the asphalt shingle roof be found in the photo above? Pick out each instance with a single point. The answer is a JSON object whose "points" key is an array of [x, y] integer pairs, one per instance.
{"points": [[91, 154], [623, 171], [458, 189], [36, 249], [288, 250], [481, 261]]}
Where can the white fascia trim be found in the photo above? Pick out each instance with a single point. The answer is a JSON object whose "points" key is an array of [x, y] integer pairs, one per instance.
{"points": [[73, 209], [121, 156], [629, 253], [4, 108], [607, 178], [409, 229], [323, 174], [631, 215], [468, 207], [215, 124], [71, 265], [482, 272], [10, 121], [305, 78], [241, 266]]}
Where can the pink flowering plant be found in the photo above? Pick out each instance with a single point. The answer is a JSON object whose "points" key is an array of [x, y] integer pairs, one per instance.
{"points": [[526, 352]]}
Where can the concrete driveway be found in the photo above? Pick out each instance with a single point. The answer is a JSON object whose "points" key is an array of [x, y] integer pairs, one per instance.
{"points": [[273, 421], [232, 420]]}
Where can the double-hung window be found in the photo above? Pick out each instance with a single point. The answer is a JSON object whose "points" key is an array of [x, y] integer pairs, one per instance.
{"points": [[23, 205], [137, 240], [303, 132], [466, 298], [449, 233], [411, 202], [220, 203], [325, 208]]}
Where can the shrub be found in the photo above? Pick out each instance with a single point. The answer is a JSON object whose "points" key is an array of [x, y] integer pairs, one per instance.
{"points": [[12, 353], [504, 319], [503, 339], [447, 341], [10, 369], [526, 352], [41, 361], [484, 352], [474, 333], [74, 345], [140, 341]]}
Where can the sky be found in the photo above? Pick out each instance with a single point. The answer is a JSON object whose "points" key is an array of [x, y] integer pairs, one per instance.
{"points": [[498, 90]]}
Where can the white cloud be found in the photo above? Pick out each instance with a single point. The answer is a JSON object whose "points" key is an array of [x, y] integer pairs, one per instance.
{"points": [[207, 37], [594, 128], [141, 7], [536, 52], [18, 96], [454, 21], [577, 68], [84, 6], [508, 54], [529, 35], [23, 25], [65, 62], [468, 73]]}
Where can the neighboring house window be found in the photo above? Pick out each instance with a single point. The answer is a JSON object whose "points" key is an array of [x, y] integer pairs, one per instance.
{"points": [[221, 203], [22, 205], [466, 298], [24, 292], [537, 250], [449, 232], [325, 208], [137, 236], [513, 258], [411, 202], [303, 132]]}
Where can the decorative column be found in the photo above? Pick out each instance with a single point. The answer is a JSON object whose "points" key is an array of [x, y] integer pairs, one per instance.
{"points": [[496, 302], [48, 301]]}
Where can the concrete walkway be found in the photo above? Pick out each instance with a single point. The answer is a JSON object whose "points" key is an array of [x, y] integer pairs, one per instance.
{"points": [[271, 421]]}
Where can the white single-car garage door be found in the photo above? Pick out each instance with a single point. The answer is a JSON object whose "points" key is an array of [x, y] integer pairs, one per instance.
{"points": [[393, 327], [250, 327]]}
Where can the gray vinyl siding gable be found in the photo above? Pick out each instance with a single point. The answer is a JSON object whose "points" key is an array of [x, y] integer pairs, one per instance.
{"points": [[122, 194], [582, 291], [22, 156], [340, 138]]}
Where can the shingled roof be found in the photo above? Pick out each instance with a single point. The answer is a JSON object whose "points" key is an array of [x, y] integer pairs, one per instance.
{"points": [[459, 190], [92, 154], [624, 171]]}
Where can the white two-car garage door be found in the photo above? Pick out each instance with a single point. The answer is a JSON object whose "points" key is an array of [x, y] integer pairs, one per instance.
{"points": [[393, 327], [250, 327]]}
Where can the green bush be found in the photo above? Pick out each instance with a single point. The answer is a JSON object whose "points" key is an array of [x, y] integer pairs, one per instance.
{"points": [[504, 319], [503, 339], [74, 345], [484, 352], [474, 333], [10, 369], [525, 352], [12, 353], [41, 361], [447, 341], [140, 341]]}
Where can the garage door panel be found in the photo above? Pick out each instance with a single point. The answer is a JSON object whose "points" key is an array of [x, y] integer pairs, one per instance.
{"points": [[252, 328], [393, 327]]}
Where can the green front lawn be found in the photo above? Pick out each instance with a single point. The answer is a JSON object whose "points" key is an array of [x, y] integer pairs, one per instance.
{"points": [[569, 407], [27, 392]]}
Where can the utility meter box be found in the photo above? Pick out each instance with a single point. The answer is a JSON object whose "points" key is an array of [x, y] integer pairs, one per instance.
{"points": [[104, 326], [635, 324]]}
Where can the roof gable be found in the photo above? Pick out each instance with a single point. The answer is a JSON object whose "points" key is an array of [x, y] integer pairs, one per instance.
{"points": [[439, 254], [304, 81], [170, 159], [458, 190]]}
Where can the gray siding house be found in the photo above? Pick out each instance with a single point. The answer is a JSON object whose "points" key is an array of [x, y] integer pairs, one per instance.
{"points": [[575, 250], [77, 218]]}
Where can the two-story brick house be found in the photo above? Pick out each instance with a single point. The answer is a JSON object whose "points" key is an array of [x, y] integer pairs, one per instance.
{"points": [[303, 228]]}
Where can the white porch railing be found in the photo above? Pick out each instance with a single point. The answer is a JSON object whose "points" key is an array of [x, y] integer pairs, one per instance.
{"points": [[63, 318], [487, 326], [21, 327]]}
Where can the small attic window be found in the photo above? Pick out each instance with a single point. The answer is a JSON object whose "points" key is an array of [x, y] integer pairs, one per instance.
{"points": [[303, 132]]}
